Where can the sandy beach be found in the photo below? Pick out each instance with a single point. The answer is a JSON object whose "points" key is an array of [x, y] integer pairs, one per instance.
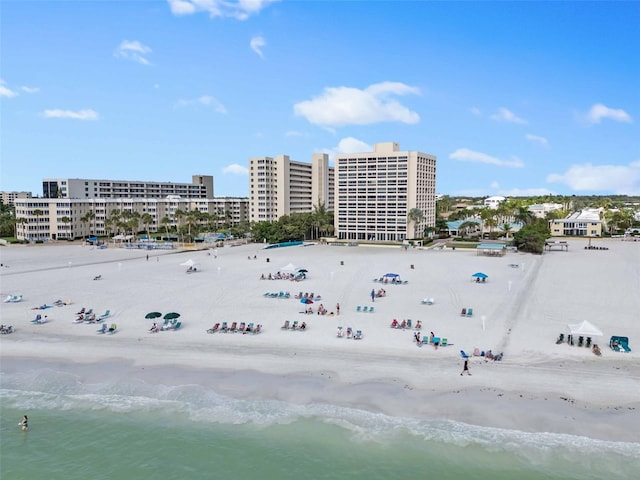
{"points": [[525, 303]]}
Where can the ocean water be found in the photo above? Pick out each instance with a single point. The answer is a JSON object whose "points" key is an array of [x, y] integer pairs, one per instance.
{"points": [[137, 431]]}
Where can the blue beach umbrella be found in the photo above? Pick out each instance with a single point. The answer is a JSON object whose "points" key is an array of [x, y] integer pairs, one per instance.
{"points": [[480, 275]]}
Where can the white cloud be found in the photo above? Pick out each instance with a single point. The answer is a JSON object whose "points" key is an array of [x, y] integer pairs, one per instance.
{"points": [[617, 179], [26, 89], [506, 115], [206, 100], [537, 139], [133, 50], [6, 91], [600, 111], [347, 145], [466, 155], [235, 169], [256, 45], [475, 111], [293, 133], [87, 114], [338, 106], [239, 9]]}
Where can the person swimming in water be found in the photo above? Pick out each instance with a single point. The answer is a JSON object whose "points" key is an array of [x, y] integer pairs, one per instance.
{"points": [[24, 424]]}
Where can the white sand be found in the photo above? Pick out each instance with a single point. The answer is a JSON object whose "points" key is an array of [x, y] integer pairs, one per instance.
{"points": [[539, 386]]}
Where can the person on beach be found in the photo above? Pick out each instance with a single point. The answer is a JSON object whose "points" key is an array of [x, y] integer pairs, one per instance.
{"points": [[373, 295], [465, 368], [337, 309], [24, 424]]}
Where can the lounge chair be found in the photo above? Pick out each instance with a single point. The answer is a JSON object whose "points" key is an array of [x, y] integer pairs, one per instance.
{"points": [[6, 329], [103, 328], [370, 309], [224, 328], [82, 310], [444, 342], [286, 325], [112, 328], [37, 319], [90, 319], [295, 325], [358, 308], [339, 333], [463, 312], [395, 324], [257, 329], [358, 335], [97, 277], [349, 332], [177, 325], [365, 309], [233, 327], [464, 355], [242, 326], [425, 339], [214, 329], [409, 323], [469, 312]]}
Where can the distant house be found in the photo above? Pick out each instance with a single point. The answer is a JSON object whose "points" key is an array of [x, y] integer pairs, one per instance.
{"points": [[493, 202], [540, 210], [579, 224]]}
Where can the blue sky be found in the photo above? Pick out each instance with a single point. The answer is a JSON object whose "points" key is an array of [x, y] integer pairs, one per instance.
{"points": [[514, 98]]}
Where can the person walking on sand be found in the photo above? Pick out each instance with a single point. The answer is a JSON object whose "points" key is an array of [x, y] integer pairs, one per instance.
{"points": [[24, 424], [338, 308], [465, 368], [373, 295]]}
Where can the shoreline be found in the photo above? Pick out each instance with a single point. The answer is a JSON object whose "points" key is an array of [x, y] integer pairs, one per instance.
{"points": [[539, 386]]}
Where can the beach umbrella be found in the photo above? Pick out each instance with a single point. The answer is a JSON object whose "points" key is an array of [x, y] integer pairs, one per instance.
{"points": [[153, 315], [306, 300], [391, 275], [302, 270], [480, 275], [171, 316]]}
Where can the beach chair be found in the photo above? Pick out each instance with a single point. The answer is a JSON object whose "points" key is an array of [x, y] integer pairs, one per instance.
{"points": [[463, 312], [233, 327], [464, 355], [112, 328], [287, 295], [295, 325], [285, 326], [443, 342], [257, 329], [88, 312], [214, 329], [409, 323], [340, 333], [103, 328], [470, 312], [224, 328], [177, 325], [365, 309], [104, 315], [370, 309], [425, 340], [37, 319], [349, 332], [358, 308], [82, 310], [242, 326], [358, 335]]}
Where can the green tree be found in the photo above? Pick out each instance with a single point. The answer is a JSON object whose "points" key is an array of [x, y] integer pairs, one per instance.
{"points": [[66, 220], [531, 238], [147, 220], [415, 216]]}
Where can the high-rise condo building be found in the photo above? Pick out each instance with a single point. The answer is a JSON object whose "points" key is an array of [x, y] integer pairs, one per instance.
{"points": [[281, 186], [201, 187], [376, 191]]}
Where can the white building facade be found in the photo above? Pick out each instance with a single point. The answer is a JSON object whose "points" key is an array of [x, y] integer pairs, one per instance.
{"points": [[375, 191], [280, 186]]}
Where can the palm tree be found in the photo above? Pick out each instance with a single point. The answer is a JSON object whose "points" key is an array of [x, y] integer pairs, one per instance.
{"points": [[466, 227], [22, 221], [415, 216], [147, 220], [38, 213], [506, 228], [66, 220], [166, 221]]}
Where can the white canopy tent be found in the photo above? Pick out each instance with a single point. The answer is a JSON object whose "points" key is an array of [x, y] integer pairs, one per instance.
{"points": [[289, 268], [585, 328]]}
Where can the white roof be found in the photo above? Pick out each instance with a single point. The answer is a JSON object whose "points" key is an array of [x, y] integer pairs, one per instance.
{"points": [[584, 328]]}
